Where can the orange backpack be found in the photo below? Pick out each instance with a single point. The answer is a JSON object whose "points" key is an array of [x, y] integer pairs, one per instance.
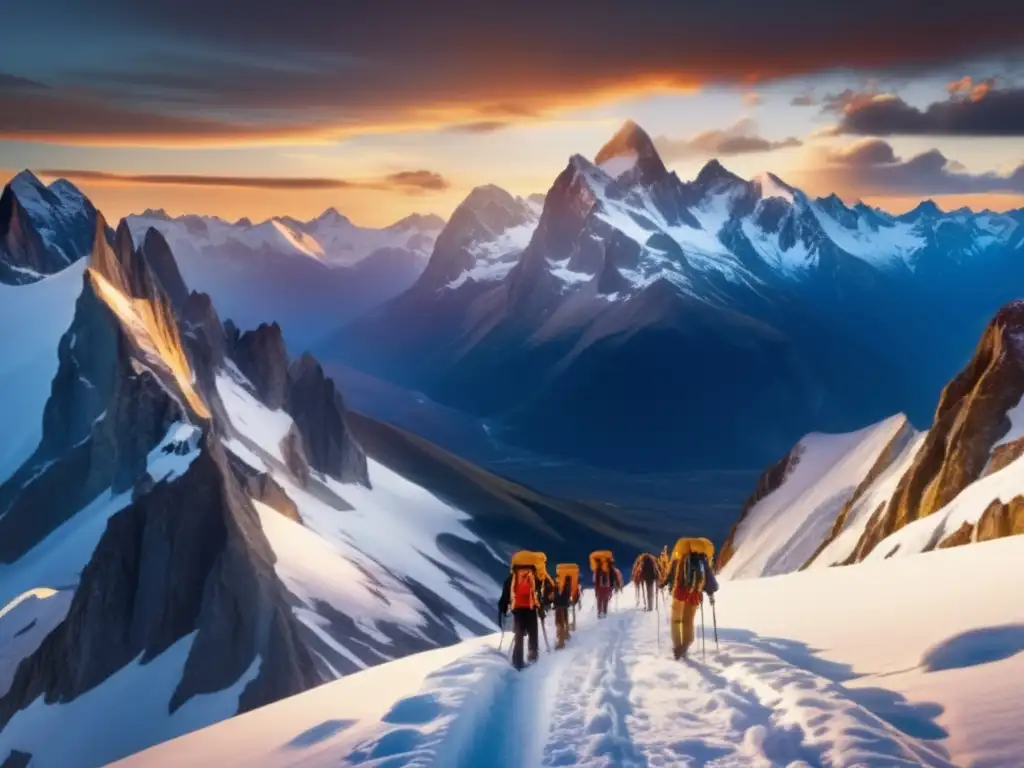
{"points": [[524, 589]]}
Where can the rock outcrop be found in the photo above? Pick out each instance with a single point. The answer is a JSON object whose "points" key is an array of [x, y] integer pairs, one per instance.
{"points": [[319, 412], [261, 355], [970, 420], [189, 557]]}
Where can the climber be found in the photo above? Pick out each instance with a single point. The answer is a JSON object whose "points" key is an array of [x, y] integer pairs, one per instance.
{"points": [[690, 575], [606, 579], [646, 575], [521, 594], [565, 588]]}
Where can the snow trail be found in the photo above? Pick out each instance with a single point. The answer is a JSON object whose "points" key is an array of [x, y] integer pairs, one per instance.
{"points": [[612, 697]]}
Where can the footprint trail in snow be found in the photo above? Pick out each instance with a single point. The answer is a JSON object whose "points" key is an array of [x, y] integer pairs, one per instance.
{"points": [[612, 697]]}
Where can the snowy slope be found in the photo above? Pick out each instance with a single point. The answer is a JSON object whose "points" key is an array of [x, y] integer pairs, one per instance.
{"points": [[337, 556], [33, 318], [800, 679], [782, 531]]}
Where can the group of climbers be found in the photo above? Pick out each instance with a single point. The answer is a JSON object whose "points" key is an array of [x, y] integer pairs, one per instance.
{"points": [[529, 592]]}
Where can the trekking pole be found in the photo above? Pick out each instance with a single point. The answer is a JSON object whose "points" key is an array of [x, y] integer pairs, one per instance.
{"points": [[703, 651], [544, 631], [501, 621], [657, 618], [714, 618]]}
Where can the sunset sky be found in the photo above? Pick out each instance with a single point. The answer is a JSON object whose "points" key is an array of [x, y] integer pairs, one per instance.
{"points": [[380, 109]]}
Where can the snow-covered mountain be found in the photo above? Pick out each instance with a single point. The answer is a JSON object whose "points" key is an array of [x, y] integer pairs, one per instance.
{"points": [[43, 228], [891, 491], [308, 276], [864, 666], [330, 238], [649, 321], [191, 524]]}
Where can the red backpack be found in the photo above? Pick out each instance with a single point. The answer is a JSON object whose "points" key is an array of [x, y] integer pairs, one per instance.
{"points": [[524, 589]]}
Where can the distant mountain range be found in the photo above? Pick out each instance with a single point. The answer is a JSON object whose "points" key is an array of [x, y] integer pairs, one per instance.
{"points": [[645, 323], [308, 276]]}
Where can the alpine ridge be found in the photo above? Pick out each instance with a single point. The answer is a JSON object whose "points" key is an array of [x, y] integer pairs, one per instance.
{"points": [[722, 300], [890, 490]]}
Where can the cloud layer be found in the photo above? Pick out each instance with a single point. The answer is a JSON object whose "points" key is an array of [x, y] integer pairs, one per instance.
{"points": [[738, 139], [407, 182], [872, 167], [972, 109], [191, 71]]}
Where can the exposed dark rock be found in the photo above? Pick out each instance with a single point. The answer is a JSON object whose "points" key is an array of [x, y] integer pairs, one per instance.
{"points": [[1000, 520], [21, 246], [16, 759], [104, 415], [262, 357], [958, 538], [770, 481], [295, 455], [319, 413], [158, 256], [264, 488], [970, 419], [60, 211], [188, 557]]}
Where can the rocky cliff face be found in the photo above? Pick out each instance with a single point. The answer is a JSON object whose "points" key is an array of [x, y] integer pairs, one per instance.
{"points": [[319, 413], [970, 420], [188, 558], [261, 355], [134, 414], [959, 483]]}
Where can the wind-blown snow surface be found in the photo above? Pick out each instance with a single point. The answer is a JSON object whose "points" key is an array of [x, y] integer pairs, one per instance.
{"points": [[888, 675], [33, 318], [782, 531]]}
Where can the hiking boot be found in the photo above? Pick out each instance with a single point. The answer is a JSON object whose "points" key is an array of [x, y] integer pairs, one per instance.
{"points": [[679, 653]]}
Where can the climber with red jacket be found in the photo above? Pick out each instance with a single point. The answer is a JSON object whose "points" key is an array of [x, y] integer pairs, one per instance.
{"points": [[522, 594], [606, 579]]}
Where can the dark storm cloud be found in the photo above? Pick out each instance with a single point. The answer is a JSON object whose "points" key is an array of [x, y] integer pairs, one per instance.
{"points": [[738, 139], [972, 109], [15, 83], [404, 181], [871, 167], [260, 66]]}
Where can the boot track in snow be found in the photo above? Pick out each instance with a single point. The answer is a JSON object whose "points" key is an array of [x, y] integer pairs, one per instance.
{"points": [[611, 698]]}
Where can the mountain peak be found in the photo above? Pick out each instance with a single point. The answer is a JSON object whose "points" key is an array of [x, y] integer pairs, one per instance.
{"points": [[630, 148], [772, 186], [714, 171], [26, 178], [331, 216], [418, 221]]}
